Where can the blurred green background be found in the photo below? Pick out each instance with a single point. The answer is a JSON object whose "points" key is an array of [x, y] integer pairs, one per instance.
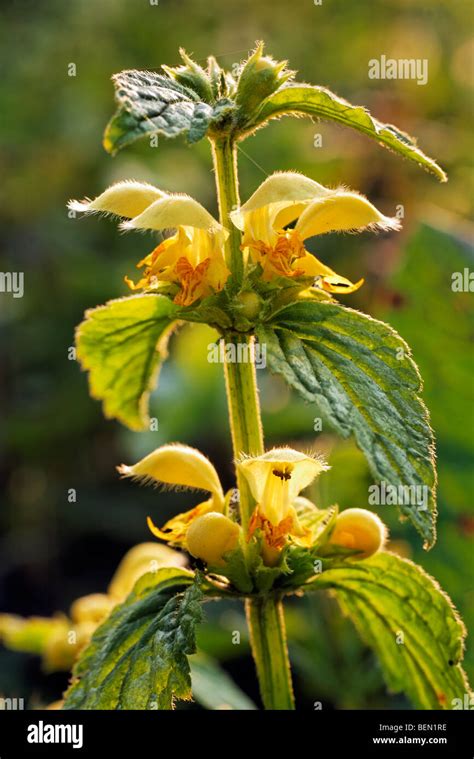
{"points": [[53, 436]]}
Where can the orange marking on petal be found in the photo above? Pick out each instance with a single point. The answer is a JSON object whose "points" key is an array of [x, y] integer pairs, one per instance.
{"points": [[282, 258], [275, 535], [191, 279]]}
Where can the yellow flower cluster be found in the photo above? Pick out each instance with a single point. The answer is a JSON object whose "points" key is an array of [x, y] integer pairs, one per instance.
{"points": [[60, 639], [286, 210], [276, 479]]}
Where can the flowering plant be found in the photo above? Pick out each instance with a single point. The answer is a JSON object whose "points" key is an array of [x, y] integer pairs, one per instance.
{"points": [[250, 276]]}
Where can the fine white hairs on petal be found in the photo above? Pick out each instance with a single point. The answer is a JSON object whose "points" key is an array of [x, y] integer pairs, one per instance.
{"points": [[80, 206], [126, 198]]}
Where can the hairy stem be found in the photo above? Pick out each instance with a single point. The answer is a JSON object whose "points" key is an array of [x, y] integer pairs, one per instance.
{"points": [[224, 155], [264, 614], [244, 416], [268, 638]]}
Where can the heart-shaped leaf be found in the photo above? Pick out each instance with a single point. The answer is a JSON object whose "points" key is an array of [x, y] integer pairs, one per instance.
{"points": [[403, 614], [151, 103], [137, 659], [362, 376], [122, 345]]}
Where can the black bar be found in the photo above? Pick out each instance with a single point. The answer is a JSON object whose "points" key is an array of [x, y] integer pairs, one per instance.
{"points": [[368, 733]]}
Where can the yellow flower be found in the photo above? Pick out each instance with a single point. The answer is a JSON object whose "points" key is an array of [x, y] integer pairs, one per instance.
{"points": [[286, 197], [211, 536], [193, 258], [142, 558], [30, 634], [276, 479], [360, 530], [60, 639], [92, 608], [183, 467]]}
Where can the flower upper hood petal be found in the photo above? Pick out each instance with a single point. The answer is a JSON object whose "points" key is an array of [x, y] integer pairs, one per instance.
{"points": [[126, 199], [285, 196], [174, 211], [280, 191], [341, 211], [178, 465]]}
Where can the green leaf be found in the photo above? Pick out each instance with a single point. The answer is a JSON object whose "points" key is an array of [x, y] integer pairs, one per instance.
{"points": [[213, 687], [401, 612], [320, 102], [121, 344], [151, 103], [137, 659], [361, 374]]}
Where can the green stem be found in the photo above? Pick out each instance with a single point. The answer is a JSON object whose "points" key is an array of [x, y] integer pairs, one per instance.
{"points": [[244, 416], [264, 613], [268, 638], [224, 155]]}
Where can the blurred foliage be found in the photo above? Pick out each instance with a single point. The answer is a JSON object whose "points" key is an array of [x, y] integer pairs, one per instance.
{"points": [[66, 517]]}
